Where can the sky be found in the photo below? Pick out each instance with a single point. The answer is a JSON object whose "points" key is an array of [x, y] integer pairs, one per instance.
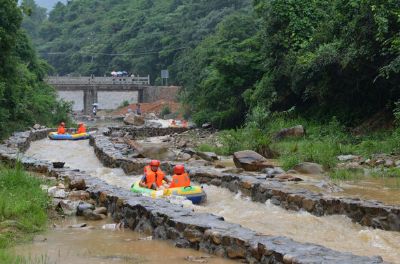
{"points": [[49, 4]]}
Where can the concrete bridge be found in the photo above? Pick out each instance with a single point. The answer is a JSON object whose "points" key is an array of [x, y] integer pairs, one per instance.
{"points": [[108, 92]]}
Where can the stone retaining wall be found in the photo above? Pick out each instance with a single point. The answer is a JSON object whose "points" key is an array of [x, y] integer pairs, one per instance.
{"points": [[205, 232], [145, 131], [368, 213]]}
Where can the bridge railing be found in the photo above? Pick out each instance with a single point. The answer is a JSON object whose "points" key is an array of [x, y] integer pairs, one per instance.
{"points": [[98, 80]]}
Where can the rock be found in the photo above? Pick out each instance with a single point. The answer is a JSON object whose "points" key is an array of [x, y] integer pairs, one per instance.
{"points": [[183, 157], [348, 157], [296, 131], [57, 193], [77, 184], [78, 225], [233, 170], [135, 120], [309, 168], [153, 124], [69, 207], [201, 259], [206, 125], [91, 215], [287, 177], [37, 126], [101, 210], [58, 164], [397, 163], [189, 151], [389, 163], [79, 195], [220, 166], [83, 206], [271, 172], [209, 156], [113, 226], [250, 160]]}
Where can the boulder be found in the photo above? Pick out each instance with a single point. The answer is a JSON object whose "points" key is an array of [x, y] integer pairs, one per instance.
{"points": [[101, 210], [209, 156], [82, 207], [250, 160], [134, 120], [56, 192], [69, 207], [79, 195], [91, 215], [348, 158], [206, 125], [309, 168], [153, 124], [296, 131], [37, 126], [77, 184]]}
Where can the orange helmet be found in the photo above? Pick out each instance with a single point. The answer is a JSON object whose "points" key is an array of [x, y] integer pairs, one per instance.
{"points": [[155, 163], [62, 123], [179, 169]]}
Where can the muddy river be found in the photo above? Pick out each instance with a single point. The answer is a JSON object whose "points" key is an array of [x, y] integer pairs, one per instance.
{"points": [[336, 232]]}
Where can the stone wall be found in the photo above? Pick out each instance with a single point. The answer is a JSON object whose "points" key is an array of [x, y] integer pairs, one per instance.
{"points": [[162, 220], [368, 213], [145, 131], [155, 93]]}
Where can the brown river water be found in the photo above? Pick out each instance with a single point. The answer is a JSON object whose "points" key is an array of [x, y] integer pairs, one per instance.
{"points": [[336, 232], [94, 245]]}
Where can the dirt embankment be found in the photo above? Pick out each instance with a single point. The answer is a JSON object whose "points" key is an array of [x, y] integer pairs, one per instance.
{"points": [[155, 107]]}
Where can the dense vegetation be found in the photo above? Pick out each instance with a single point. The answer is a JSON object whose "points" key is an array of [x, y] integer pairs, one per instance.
{"points": [[24, 98], [321, 58], [23, 210]]}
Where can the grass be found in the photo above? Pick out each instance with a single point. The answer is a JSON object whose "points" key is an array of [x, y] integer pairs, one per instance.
{"points": [[345, 174], [322, 143], [23, 210]]}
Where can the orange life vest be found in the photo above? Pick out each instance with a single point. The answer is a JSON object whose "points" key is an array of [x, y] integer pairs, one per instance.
{"points": [[153, 177], [81, 129], [61, 130], [181, 180]]}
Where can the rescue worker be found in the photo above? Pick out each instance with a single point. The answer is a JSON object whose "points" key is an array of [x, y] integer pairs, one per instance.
{"points": [[81, 128], [153, 176], [180, 177], [61, 129]]}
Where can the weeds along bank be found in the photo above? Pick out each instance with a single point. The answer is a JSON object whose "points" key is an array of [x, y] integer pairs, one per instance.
{"points": [[23, 209], [321, 143]]}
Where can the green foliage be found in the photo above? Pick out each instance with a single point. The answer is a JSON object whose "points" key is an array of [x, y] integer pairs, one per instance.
{"points": [[345, 174], [165, 110], [125, 103], [25, 98], [23, 209]]}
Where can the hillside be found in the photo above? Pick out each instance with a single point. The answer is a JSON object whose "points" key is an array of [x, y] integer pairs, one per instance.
{"points": [[141, 37]]}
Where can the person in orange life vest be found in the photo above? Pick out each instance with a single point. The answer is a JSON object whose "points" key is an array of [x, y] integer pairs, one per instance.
{"points": [[153, 176], [184, 123], [61, 128], [180, 177], [81, 128]]}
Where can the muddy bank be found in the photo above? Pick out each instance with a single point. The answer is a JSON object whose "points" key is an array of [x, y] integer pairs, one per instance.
{"points": [[261, 189], [205, 232]]}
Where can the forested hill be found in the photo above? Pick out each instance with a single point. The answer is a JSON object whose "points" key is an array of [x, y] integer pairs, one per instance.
{"points": [[141, 36], [240, 60]]}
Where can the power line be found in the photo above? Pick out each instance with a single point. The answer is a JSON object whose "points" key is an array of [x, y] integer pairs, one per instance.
{"points": [[111, 54]]}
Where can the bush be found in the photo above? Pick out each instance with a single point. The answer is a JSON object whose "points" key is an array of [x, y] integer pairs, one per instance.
{"points": [[165, 110], [125, 103]]}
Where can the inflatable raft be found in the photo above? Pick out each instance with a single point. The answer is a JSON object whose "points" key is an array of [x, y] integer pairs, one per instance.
{"points": [[56, 136], [192, 193]]}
